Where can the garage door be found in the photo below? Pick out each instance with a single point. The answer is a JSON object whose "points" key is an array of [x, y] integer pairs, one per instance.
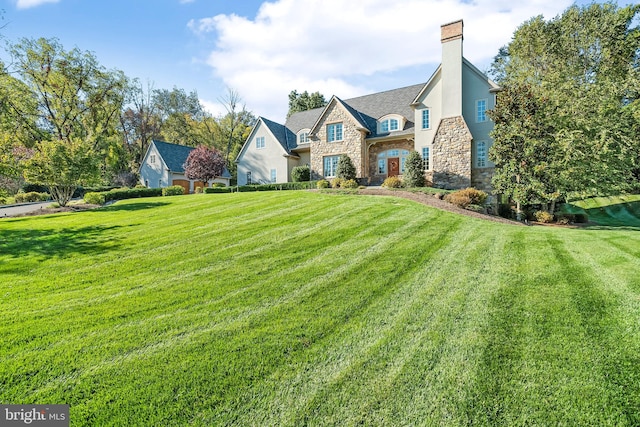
{"points": [[184, 183]]}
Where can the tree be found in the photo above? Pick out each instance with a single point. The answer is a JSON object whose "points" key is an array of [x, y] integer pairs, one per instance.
{"points": [[581, 78], [235, 126], [413, 175], [203, 164], [178, 111], [345, 169], [305, 101], [62, 166]]}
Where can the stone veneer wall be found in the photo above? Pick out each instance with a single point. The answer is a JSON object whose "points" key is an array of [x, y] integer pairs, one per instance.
{"points": [[452, 154], [374, 150], [351, 145], [481, 179]]}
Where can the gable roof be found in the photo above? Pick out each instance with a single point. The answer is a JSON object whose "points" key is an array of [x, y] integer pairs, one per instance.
{"points": [[175, 155], [366, 110]]}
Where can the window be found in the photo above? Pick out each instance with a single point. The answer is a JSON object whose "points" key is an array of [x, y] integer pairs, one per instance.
{"points": [[334, 132], [260, 142], [425, 158], [389, 124], [303, 138], [330, 165], [273, 175], [481, 110], [152, 158], [481, 154], [249, 178], [425, 119], [382, 166]]}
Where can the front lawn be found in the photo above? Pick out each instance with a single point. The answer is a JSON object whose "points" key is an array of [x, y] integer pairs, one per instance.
{"points": [[298, 308]]}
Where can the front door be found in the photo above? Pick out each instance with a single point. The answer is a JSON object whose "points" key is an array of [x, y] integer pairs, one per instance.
{"points": [[393, 166]]}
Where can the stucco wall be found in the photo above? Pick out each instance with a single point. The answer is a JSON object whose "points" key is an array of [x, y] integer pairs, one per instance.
{"points": [[477, 87], [260, 161], [156, 173]]}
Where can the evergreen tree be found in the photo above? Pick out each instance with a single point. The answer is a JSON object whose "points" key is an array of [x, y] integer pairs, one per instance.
{"points": [[413, 175], [345, 170]]}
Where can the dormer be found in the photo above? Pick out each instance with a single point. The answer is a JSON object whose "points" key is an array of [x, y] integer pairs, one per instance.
{"points": [[302, 137], [391, 123]]}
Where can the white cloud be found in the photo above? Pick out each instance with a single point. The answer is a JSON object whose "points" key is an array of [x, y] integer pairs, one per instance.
{"points": [[26, 4], [326, 44]]}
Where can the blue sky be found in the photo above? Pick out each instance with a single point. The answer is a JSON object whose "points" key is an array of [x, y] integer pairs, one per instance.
{"points": [[263, 50]]}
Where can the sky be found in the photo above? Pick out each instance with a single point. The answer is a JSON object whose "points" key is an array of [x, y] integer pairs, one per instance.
{"points": [[265, 49]]}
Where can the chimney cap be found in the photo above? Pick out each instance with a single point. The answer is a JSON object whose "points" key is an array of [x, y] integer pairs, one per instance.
{"points": [[451, 31]]}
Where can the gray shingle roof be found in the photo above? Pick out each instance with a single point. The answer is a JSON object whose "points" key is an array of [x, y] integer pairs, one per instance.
{"points": [[174, 156], [367, 109]]}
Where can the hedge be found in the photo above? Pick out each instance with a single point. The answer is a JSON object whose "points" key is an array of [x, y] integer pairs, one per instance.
{"points": [[212, 190], [131, 193]]}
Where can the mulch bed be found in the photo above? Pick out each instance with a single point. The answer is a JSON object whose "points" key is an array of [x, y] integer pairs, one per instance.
{"points": [[47, 211], [431, 200]]}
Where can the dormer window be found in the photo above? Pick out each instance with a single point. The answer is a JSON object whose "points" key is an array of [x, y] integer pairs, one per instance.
{"points": [[390, 123], [303, 136]]}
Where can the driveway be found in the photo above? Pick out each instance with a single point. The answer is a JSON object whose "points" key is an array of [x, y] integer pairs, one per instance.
{"points": [[13, 210]]}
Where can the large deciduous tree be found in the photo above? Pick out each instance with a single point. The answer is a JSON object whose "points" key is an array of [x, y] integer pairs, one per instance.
{"points": [[572, 128], [65, 96], [203, 164]]}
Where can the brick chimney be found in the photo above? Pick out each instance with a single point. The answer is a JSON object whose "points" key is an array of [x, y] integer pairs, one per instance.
{"points": [[451, 37]]}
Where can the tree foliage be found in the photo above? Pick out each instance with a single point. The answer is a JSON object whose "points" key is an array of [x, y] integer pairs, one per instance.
{"points": [[413, 175], [566, 119], [345, 169], [62, 166], [301, 173], [305, 101], [203, 164]]}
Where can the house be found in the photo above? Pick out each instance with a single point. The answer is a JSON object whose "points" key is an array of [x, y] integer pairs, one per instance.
{"points": [[162, 166], [443, 119]]}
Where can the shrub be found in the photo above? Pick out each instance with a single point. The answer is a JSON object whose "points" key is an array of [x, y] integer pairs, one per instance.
{"points": [[214, 190], [392, 182], [301, 173], [336, 182], [133, 193], [125, 179], [543, 216], [218, 185], [582, 218], [465, 197], [350, 183], [565, 218], [323, 183], [476, 208], [345, 169], [30, 188], [93, 198], [32, 196], [198, 190], [414, 170], [173, 190]]}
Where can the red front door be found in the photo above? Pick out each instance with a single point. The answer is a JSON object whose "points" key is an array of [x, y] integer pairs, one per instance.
{"points": [[393, 166]]}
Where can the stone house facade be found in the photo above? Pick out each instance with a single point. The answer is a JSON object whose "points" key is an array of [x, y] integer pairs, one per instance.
{"points": [[443, 119]]}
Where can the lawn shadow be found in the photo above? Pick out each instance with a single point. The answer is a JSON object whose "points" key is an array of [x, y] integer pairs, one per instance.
{"points": [[137, 206], [57, 243], [620, 216]]}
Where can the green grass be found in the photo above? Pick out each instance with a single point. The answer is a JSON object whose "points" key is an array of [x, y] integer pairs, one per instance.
{"points": [[297, 308]]}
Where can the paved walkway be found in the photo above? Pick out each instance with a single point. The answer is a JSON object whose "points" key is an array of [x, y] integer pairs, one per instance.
{"points": [[13, 210]]}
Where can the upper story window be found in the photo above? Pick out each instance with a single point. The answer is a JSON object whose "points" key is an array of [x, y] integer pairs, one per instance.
{"points": [[152, 158], [481, 154], [260, 142], [426, 119], [426, 158], [481, 110], [303, 138], [334, 132], [388, 125]]}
